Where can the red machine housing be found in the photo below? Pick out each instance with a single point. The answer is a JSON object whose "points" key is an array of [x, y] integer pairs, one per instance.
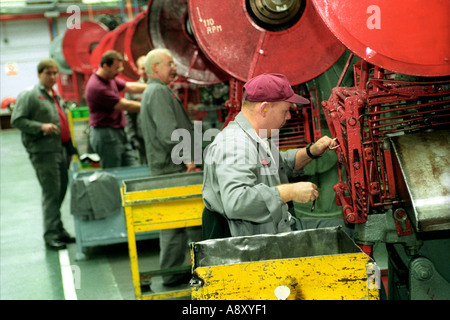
{"points": [[136, 43], [115, 40], [77, 47], [247, 38], [169, 26], [411, 37], [361, 117]]}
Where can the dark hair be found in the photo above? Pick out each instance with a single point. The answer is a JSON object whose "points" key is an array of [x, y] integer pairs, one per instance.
{"points": [[109, 57], [46, 63]]}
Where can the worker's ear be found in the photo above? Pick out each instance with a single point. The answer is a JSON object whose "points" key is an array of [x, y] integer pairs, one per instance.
{"points": [[155, 66], [262, 108]]}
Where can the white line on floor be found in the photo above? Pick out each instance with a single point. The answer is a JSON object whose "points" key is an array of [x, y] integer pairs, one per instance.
{"points": [[67, 275]]}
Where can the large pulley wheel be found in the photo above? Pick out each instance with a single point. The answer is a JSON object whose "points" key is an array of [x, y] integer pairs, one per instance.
{"points": [[249, 37], [120, 46], [136, 41], [409, 37], [115, 40], [78, 45], [168, 27]]}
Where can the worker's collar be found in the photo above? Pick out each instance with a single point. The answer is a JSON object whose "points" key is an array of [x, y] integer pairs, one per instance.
{"points": [[44, 89], [243, 122], [245, 125], [155, 80]]}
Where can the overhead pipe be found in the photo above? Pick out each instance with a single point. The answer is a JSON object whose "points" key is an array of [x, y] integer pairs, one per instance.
{"points": [[32, 16]]}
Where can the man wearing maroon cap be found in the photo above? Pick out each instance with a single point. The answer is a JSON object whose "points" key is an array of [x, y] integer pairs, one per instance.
{"points": [[246, 190]]}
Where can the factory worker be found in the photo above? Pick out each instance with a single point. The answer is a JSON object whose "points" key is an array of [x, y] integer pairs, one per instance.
{"points": [[41, 117], [107, 111], [162, 113], [246, 189]]}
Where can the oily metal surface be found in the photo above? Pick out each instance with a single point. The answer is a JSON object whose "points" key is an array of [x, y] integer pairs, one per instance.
{"points": [[424, 160], [164, 181], [306, 243]]}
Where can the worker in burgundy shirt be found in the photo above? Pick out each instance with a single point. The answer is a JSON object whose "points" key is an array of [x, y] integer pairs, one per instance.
{"points": [[39, 114], [106, 111]]}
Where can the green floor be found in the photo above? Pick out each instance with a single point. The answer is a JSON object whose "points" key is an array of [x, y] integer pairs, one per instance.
{"points": [[28, 271]]}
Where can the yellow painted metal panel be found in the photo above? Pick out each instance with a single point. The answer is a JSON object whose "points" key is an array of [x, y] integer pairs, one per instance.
{"points": [[157, 209], [166, 295], [331, 277], [167, 215], [159, 195], [161, 209]]}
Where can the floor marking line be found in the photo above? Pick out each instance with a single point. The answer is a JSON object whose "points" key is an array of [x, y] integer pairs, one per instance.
{"points": [[67, 275]]}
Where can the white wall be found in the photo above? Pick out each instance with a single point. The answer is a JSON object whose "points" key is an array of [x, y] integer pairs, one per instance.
{"points": [[24, 43]]}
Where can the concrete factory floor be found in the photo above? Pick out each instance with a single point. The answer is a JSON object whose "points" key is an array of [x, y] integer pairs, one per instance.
{"points": [[30, 272]]}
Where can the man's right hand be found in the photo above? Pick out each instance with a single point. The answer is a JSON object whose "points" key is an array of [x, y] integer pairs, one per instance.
{"points": [[299, 192], [49, 128]]}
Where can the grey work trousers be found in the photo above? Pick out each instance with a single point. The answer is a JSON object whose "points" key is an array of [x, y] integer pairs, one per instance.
{"points": [[174, 248], [113, 147], [51, 171]]}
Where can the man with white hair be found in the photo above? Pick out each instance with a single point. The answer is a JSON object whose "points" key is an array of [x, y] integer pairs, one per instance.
{"points": [[161, 114]]}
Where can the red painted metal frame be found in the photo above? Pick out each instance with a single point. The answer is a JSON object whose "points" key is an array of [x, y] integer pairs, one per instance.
{"points": [[361, 117]]}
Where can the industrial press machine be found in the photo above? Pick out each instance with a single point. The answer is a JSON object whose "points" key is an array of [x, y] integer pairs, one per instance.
{"points": [[392, 129], [378, 77]]}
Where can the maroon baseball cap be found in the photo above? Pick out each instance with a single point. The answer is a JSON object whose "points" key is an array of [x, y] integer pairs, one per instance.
{"points": [[272, 87]]}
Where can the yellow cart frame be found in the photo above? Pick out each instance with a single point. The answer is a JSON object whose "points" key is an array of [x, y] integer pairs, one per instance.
{"points": [[157, 203]]}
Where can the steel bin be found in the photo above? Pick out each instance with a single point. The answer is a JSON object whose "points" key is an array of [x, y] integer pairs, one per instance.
{"points": [[319, 264]]}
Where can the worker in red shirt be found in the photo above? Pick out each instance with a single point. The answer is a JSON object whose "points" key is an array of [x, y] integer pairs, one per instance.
{"points": [[106, 111]]}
